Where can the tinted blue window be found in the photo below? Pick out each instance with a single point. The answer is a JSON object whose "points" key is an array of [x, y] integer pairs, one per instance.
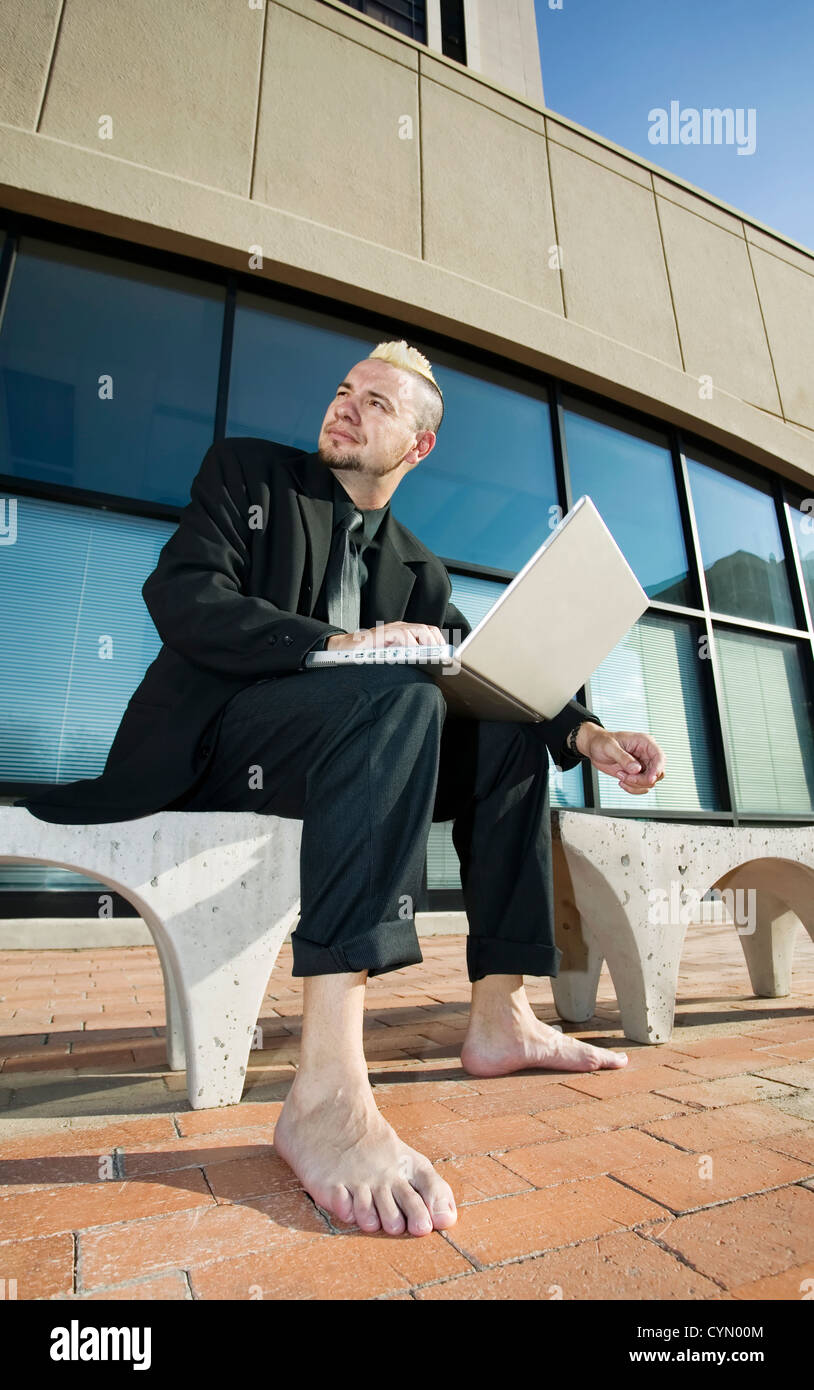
{"points": [[76, 636], [485, 493], [629, 477], [286, 366], [652, 683], [75, 641], [406, 16], [769, 720], [80, 327], [802, 520], [741, 546]]}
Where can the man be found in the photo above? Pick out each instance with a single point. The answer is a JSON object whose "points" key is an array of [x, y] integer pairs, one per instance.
{"points": [[275, 547]]}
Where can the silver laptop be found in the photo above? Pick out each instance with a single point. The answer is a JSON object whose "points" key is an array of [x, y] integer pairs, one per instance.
{"points": [[553, 625]]}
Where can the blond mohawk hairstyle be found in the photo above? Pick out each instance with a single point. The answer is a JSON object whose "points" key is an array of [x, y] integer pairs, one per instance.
{"points": [[430, 401]]}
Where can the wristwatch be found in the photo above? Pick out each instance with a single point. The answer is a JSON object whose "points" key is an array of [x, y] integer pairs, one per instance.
{"points": [[571, 741]]}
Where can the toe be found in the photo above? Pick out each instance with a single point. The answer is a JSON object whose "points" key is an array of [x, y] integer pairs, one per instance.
{"points": [[390, 1214], [364, 1210], [339, 1203], [418, 1218], [437, 1196]]}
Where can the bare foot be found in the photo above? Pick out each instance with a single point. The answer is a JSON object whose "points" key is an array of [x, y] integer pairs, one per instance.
{"points": [[510, 1039], [353, 1164]]}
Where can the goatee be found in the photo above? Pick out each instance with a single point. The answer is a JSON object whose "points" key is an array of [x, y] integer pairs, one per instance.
{"points": [[341, 461], [352, 462]]}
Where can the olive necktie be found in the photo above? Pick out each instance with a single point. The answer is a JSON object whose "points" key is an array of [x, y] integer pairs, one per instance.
{"points": [[343, 590]]}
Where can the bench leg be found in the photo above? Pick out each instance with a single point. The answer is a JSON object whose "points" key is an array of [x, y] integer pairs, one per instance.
{"points": [[769, 949], [642, 956], [219, 909], [175, 1024], [220, 978], [644, 969], [219, 1015], [769, 900], [575, 987]]}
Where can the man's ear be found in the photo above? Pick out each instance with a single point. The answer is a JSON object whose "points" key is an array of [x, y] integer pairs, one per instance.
{"points": [[425, 443]]}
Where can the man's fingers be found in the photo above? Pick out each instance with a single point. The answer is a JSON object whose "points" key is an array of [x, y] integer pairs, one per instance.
{"points": [[611, 752], [403, 634], [636, 772], [627, 762], [646, 752], [419, 635]]}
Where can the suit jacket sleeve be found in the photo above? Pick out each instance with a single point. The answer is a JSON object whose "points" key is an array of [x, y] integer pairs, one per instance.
{"points": [[195, 594], [556, 730], [318, 646]]}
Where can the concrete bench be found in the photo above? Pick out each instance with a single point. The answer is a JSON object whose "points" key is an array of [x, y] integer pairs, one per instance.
{"points": [[219, 892], [627, 889]]}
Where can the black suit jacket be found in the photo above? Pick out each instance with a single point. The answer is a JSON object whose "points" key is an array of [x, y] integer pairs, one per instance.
{"points": [[232, 598]]}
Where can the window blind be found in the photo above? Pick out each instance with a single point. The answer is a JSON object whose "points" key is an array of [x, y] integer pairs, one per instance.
{"points": [[650, 682], [75, 641], [76, 636], [768, 719]]}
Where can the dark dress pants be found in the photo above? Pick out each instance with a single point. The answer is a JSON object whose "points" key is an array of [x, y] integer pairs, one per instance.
{"points": [[367, 757]]}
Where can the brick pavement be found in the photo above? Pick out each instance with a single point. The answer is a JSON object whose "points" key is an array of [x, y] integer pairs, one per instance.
{"points": [[689, 1174]]}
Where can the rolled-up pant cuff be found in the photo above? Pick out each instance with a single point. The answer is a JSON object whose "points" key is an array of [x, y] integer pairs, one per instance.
{"points": [[492, 956], [388, 946]]}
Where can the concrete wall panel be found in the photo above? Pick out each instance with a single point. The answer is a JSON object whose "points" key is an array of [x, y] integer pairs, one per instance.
{"points": [[787, 300], [487, 201], [179, 80], [462, 81], [717, 309], [329, 146], [598, 151], [614, 278], [702, 207], [26, 42]]}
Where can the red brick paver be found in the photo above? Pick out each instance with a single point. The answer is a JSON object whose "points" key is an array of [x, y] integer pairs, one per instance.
{"points": [[687, 1174]]}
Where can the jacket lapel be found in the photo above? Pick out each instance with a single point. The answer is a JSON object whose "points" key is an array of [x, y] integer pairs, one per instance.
{"points": [[315, 498], [394, 579]]}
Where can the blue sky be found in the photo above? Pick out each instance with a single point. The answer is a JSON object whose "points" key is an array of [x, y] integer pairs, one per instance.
{"points": [[608, 63]]}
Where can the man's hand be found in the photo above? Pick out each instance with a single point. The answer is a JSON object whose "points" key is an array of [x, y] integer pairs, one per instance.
{"points": [[635, 759], [398, 634]]}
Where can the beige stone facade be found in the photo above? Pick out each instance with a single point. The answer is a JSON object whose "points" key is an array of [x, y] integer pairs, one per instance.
{"points": [[372, 169]]}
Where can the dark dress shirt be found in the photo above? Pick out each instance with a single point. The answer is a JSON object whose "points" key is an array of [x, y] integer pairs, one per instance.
{"points": [[368, 558]]}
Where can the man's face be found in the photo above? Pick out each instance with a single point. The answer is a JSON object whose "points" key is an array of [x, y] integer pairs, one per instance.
{"points": [[369, 427]]}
